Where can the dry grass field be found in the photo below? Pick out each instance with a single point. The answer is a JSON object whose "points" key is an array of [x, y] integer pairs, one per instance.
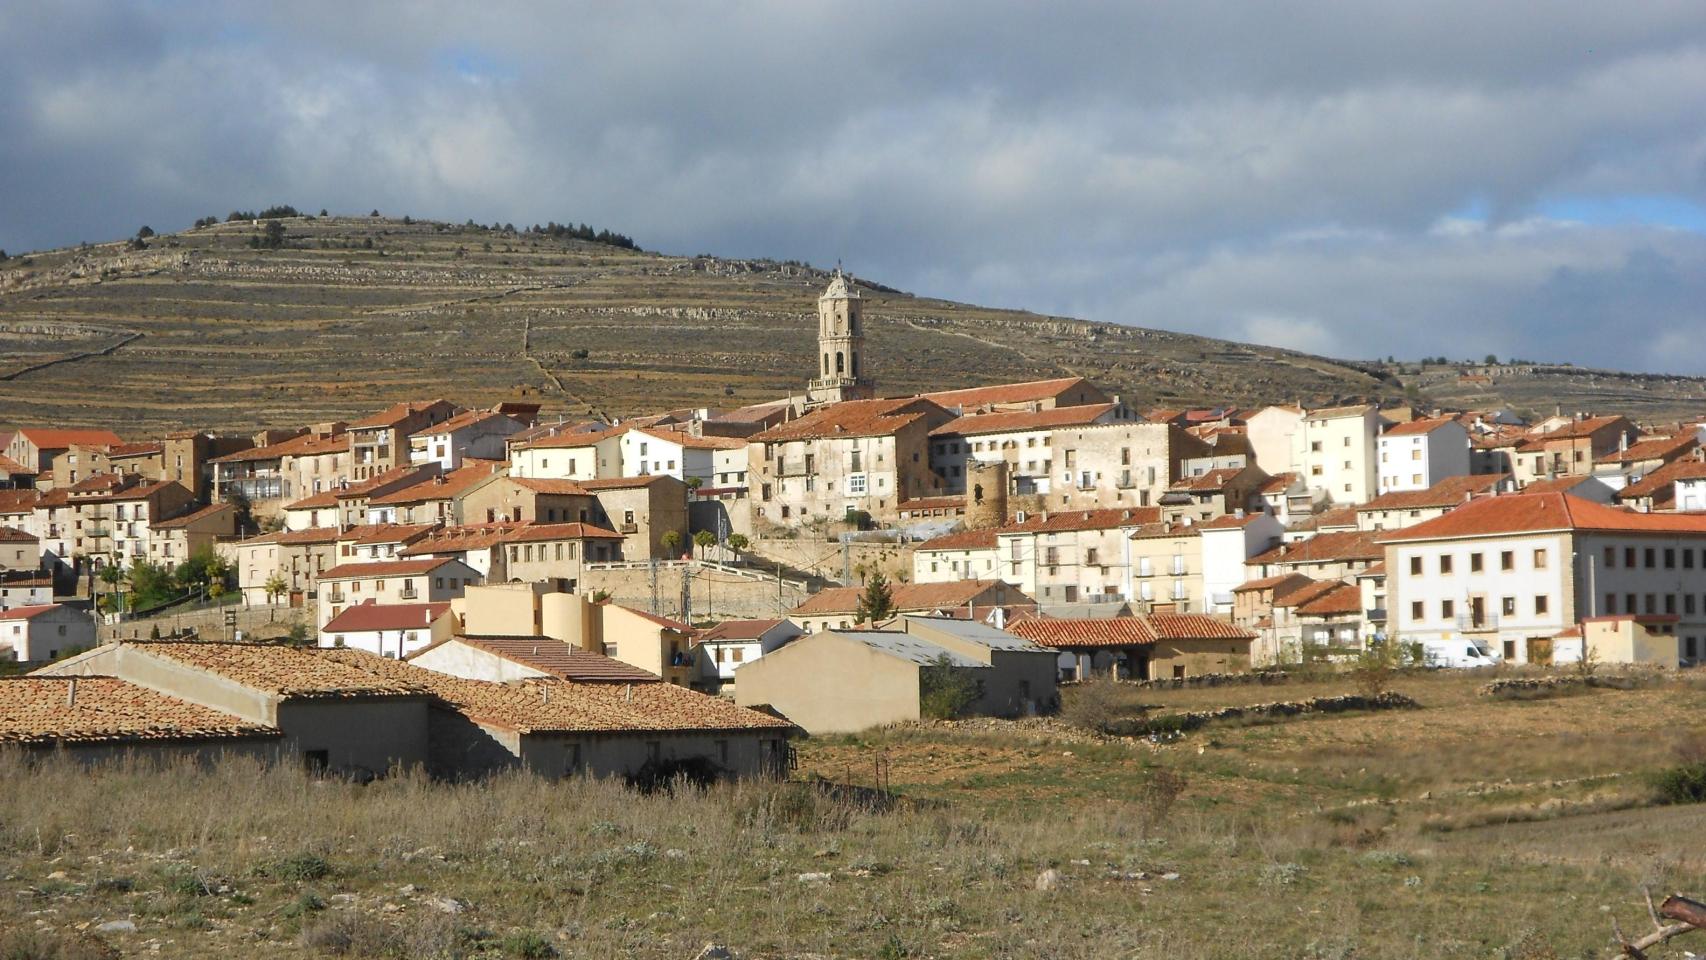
{"points": [[1470, 827]]}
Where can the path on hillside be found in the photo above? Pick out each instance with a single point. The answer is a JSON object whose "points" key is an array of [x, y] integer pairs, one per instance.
{"points": [[105, 351]]}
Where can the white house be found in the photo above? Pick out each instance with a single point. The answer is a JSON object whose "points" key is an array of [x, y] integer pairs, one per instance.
{"points": [[427, 580], [571, 455], [1334, 451], [1227, 542], [731, 643], [1421, 453], [25, 589], [1270, 431], [46, 632], [655, 451], [1515, 572], [389, 630], [480, 434]]}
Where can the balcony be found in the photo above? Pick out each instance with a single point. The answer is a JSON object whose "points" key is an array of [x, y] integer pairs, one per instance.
{"points": [[98, 531], [1470, 623], [1375, 615], [792, 468], [1126, 481], [409, 593], [628, 528], [335, 596]]}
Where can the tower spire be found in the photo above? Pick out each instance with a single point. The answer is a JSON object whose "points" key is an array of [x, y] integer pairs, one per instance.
{"points": [[842, 373]]}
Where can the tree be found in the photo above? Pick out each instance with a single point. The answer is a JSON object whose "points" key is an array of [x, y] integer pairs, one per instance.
{"points": [[271, 238], [146, 232], [275, 587], [694, 483], [737, 542], [945, 692], [1492, 359], [704, 540], [671, 541], [877, 602]]}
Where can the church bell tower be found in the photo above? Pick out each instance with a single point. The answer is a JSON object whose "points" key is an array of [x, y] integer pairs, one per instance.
{"points": [[842, 373]]}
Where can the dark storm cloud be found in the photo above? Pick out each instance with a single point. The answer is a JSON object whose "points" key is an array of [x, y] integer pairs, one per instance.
{"points": [[1345, 178]]}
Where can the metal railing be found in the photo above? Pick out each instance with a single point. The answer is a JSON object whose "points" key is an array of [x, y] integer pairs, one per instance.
{"points": [[1471, 622]]}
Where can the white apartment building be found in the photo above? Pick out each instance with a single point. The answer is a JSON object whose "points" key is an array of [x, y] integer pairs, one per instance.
{"points": [[1271, 431], [1517, 571], [1421, 453], [581, 455], [1227, 544], [658, 452], [480, 434], [1335, 449], [429, 580]]}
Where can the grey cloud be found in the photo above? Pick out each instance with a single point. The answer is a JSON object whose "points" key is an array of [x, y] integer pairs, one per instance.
{"points": [[1260, 171]]}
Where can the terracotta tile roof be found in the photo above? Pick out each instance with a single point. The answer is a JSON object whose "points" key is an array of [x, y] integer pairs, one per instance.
{"points": [[1658, 483], [853, 418], [564, 706], [1336, 517], [394, 414], [534, 532], [1194, 626], [1522, 513], [963, 540], [908, 597], [1210, 482], [1279, 583], [454, 484], [1447, 493], [141, 448], [1581, 428], [1296, 595], [388, 533], [283, 671], [14, 535], [1333, 546], [384, 568], [292, 538], [554, 657], [18, 501], [1279, 483], [1416, 428], [975, 424], [572, 438], [195, 515], [51, 439], [1232, 521], [1334, 413], [470, 536], [463, 420], [367, 615], [739, 630], [664, 622], [695, 443], [1085, 633], [1653, 448], [29, 613], [541, 485], [1165, 530], [301, 445], [40, 710], [1342, 599], [1066, 521], [624, 483], [1373, 570], [932, 503], [1027, 392]]}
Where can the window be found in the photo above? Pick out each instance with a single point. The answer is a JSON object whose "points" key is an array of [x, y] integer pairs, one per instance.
{"points": [[1445, 563], [1447, 609], [1507, 606], [1507, 560], [1651, 558], [1539, 558], [1542, 603], [1611, 603], [1415, 566], [1670, 558], [1670, 603], [1652, 603], [1416, 610], [1629, 557], [1474, 563]]}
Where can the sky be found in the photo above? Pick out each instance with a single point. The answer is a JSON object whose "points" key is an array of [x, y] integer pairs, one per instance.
{"points": [[1358, 179]]}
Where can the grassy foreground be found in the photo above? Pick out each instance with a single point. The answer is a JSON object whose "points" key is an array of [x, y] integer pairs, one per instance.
{"points": [[1471, 827]]}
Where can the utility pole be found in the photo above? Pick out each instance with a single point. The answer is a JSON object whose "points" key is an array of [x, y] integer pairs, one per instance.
{"points": [[686, 594]]}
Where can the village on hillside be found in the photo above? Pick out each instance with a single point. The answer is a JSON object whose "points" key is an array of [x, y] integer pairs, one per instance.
{"points": [[472, 590]]}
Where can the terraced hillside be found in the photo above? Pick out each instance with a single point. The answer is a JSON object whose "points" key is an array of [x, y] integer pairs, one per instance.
{"points": [[202, 329]]}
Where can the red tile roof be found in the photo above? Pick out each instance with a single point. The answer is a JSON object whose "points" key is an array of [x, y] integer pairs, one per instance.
{"points": [[695, 443], [29, 613], [739, 630], [283, 671], [572, 438], [1522, 513], [394, 414], [554, 658], [385, 568], [1298, 594], [1279, 583], [1090, 633], [454, 484], [1418, 427], [1194, 626], [301, 445], [1447, 493], [463, 420], [963, 540], [853, 418], [534, 532], [368, 615], [194, 516], [1210, 482], [1065, 521], [18, 501], [51, 439], [295, 537], [1330, 547], [1027, 392], [551, 486], [1658, 483], [388, 532], [13, 468], [1014, 421], [1653, 448], [14, 535], [1342, 599], [39, 710]]}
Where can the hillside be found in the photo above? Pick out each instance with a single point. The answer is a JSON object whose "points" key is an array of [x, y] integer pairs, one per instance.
{"points": [[203, 329]]}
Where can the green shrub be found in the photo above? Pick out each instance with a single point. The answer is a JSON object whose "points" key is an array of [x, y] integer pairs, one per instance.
{"points": [[946, 691], [299, 868], [527, 945], [1684, 783]]}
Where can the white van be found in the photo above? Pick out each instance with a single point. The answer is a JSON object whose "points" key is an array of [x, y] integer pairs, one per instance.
{"points": [[1460, 653]]}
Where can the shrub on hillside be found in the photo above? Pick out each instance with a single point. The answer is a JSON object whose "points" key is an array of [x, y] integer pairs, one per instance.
{"points": [[1685, 782], [946, 692]]}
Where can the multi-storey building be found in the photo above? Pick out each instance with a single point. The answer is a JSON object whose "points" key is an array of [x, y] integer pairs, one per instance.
{"points": [[1334, 451], [861, 455], [1419, 454], [380, 442]]}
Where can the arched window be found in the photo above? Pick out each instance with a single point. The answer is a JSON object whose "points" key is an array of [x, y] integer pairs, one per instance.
{"points": [[826, 364], [840, 365]]}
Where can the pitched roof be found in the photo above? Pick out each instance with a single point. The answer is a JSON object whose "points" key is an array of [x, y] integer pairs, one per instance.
{"points": [[13, 468], [141, 448], [44, 710], [368, 615], [301, 445], [1013, 421], [549, 705], [57, 439], [905, 646], [1278, 582], [907, 597], [1027, 392], [1066, 521], [624, 483], [1298, 594], [1232, 521], [961, 540], [1279, 483], [194, 516], [548, 485], [1447, 493], [1084, 632], [572, 438], [447, 486], [664, 622], [1210, 482], [394, 414], [1416, 428], [14, 535], [1194, 626], [1335, 545], [18, 501], [1529, 513], [1334, 413], [388, 532], [534, 532], [463, 420], [291, 538], [1341, 599], [385, 568], [30, 613], [695, 443], [1658, 483], [739, 630], [553, 657], [1653, 448], [284, 671], [852, 418]]}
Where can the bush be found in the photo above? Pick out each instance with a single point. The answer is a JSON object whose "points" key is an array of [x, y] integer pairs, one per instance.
{"points": [[946, 691], [1685, 783], [1093, 705], [299, 868], [527, 945]]}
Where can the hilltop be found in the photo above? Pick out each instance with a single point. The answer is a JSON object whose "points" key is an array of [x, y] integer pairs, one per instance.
{"points": [[211, 327]]}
